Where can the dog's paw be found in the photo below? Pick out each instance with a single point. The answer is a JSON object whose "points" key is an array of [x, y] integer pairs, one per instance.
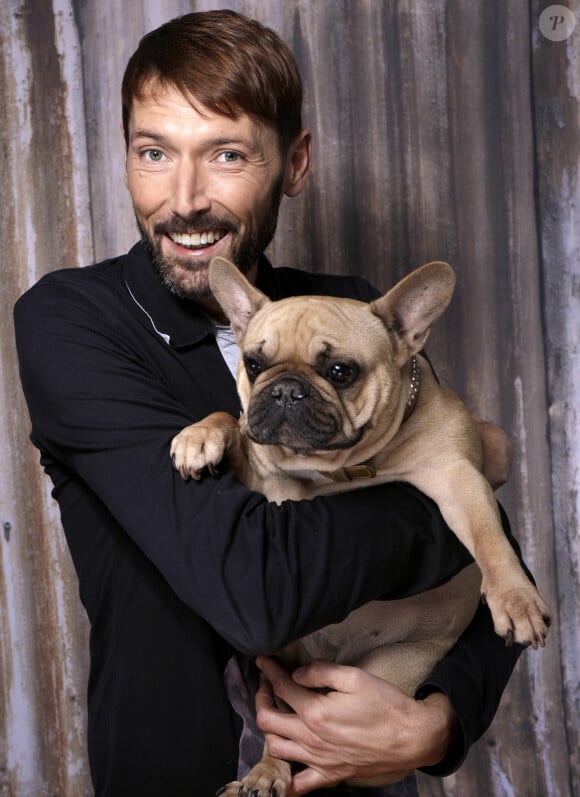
{"points": [[197, 447], [269, 778], [519, 614]]}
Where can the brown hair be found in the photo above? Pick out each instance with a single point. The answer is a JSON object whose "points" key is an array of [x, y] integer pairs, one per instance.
{"points": [[225, 61]]}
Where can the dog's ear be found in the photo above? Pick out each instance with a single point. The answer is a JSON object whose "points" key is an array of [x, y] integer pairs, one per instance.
{"points": [[415, 303], [237, 297]]}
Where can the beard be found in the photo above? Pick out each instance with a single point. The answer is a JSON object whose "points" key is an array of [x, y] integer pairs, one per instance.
{"points": [[189, 280]]}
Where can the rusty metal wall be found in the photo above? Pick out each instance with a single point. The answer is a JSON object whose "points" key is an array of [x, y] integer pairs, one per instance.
{"points": [[444, 129]]}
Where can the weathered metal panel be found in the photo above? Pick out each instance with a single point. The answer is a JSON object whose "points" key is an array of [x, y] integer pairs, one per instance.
{"points": [[45, 215], [443, 130], [556, 66]]}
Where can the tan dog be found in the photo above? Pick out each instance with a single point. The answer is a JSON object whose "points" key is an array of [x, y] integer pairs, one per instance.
{"points": [[336, 397]]}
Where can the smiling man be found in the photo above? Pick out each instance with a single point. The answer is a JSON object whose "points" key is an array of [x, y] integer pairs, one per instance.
{"points": [[203, 184], [178, 577]]}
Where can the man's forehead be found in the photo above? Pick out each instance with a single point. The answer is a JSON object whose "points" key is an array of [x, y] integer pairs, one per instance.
{"points": [[154, 93]]}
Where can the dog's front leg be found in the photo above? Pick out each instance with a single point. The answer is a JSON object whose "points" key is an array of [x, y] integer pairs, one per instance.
{"points": [[204, 444], [466, 501]]}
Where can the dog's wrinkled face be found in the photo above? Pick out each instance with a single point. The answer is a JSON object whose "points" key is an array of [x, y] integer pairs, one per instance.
{"points": [[313, 371], [321, 379]]}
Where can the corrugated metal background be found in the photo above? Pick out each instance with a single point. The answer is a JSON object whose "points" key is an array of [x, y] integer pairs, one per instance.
{"points": [[444, 129]]}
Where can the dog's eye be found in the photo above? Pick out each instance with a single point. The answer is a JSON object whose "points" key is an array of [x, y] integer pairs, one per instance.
{"points": [[253, 368], [342, 374]]}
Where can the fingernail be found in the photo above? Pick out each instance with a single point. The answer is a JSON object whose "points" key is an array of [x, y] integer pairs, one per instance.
{"points": [[300, 672]]}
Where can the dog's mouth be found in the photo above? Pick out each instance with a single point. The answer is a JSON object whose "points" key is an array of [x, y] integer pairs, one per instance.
{"points": [[294, 440], [294, 415], [286, 436]]}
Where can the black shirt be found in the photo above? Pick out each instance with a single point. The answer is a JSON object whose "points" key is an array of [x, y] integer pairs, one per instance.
{"points": [[175, 575]]}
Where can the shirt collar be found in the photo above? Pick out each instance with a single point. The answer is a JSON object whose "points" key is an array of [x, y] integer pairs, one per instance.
{"points": [[178, 321]]}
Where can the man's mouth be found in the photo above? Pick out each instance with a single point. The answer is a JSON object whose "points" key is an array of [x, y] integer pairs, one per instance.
{"points": [[197, 240]]}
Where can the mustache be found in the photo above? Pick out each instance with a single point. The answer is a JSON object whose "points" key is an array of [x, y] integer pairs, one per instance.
{"points": [[196, 224]]}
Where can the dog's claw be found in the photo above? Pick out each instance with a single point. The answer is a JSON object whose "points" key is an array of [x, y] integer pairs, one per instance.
{"points": [[509, 638]]}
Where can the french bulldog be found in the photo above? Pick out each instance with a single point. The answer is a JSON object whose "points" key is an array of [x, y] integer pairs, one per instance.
{"points": [[336, 396]]}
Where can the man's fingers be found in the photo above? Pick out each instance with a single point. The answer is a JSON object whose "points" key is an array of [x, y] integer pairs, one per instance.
{"points": [[317, 675], [264, 695], [270, 668], [326, 675], [306, 781], [285, 733], [282, 684]]}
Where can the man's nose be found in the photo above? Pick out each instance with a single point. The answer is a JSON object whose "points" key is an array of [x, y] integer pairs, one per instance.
{"points": [[190, 191]]}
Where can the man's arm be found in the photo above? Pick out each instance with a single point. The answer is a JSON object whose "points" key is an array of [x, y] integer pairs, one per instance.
{"points": [[367, 729], [261, 575]]}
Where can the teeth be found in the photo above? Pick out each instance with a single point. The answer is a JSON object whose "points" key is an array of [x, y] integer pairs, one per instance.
{"points": [[197, 239]]}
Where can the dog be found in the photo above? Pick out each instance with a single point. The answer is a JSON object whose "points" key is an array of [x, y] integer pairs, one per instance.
{"points": [[337, 396]]}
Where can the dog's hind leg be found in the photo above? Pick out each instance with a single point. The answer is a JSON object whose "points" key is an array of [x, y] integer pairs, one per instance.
{"points": [[270, 776]]}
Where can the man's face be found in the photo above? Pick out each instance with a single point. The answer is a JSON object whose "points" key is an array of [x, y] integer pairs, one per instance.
{"points": [[202, 185]]}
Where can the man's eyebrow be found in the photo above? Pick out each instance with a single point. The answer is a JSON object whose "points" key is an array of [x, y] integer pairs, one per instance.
{"points": [[226, 142], [144, 133]]}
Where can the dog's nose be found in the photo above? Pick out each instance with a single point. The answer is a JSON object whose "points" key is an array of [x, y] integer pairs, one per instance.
{"points": [[288, 389]]}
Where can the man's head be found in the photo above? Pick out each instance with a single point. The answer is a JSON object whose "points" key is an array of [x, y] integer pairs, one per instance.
{"points": [[214, 139], [230, 64]]}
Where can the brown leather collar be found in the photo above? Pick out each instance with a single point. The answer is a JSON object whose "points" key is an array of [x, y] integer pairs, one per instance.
{"points": [[350, 473]]}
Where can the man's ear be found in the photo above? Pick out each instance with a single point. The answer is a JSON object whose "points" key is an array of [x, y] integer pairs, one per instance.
{"points": [[297, 163], [121, 128]]}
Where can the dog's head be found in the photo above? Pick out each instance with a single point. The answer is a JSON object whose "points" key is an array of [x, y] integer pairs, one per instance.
{"points": [[321, 378]]}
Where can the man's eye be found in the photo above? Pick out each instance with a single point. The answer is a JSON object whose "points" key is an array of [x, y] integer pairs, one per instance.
{"points": [[229, 156], [253, 368], [153, 155], [341, 374]]}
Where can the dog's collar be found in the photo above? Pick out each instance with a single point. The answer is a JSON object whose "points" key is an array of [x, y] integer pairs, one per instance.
{"points": [[350, 473], [414, 388], [363, 471]]}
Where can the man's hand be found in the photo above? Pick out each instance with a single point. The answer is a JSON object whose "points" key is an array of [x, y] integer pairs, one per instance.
{"points": [[364, 730]]}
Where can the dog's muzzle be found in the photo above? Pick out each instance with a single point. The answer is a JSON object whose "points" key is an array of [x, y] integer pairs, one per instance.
{"points": [[291, 412]]}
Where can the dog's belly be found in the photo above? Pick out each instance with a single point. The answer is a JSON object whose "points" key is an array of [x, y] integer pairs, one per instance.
{"points": [[399, 640]]}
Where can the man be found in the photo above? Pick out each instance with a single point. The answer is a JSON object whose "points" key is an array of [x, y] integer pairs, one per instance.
{"points": [[116, 358]]}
